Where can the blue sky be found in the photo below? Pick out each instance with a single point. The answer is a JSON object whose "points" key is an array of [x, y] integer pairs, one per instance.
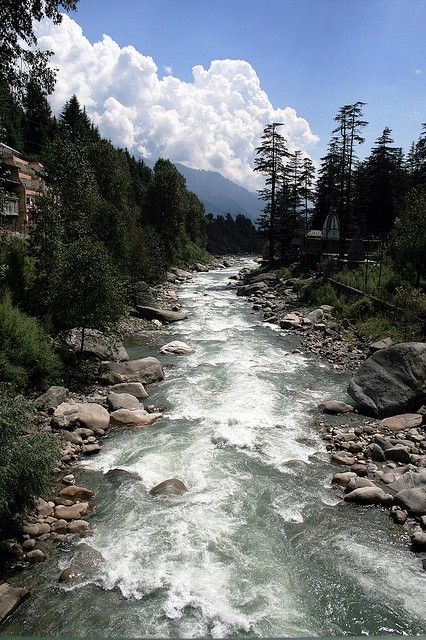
{"points": [[314, 55]]}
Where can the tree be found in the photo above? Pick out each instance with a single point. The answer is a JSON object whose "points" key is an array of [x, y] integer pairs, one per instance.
{"points": [[38, 119], [26, 460], [269, 162], [328, 188], [12, 119], [307, 182], [86, 291], [349, 125], [75, 123], [408, 239], [19, 60]]}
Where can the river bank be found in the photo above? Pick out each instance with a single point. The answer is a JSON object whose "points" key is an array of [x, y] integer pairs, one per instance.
{"points": [[260, 530]]}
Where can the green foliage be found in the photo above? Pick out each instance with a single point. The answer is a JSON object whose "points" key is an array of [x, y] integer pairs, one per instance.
{"points": [[26, 460], [147, 255], [228, 235], [382, 285], [27, 356], [85, 292], [408, 240], [361, 308], [377, 327], [19, 269], [185, 253]]}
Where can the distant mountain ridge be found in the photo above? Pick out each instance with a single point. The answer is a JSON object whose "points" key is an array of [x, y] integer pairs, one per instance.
{"points": [[220, 195]]}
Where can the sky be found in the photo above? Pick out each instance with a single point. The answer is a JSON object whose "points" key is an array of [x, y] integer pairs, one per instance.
{"points": [[197, 81]]}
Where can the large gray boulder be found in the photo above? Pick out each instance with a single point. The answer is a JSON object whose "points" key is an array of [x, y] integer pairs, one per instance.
{"points": [[10, 598], [171, 487], [51, 398], [165, 315], [413, 500], [392, 380], [144, 370], [96, 344]]}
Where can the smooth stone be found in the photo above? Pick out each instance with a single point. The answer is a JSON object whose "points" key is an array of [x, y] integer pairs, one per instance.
{"points": [[75, 492], [10, 598], [171, 487], [413, 500], [132, 388], [140, 418], [342, 457], [402, 422], [342, 479], [74, 512], [368, 495], [335, 406], [122, 401], [176, 347], [36, 555], [375, 452], [78, 526], [398, 453], [51, 398], [90, 449], [144, 370]]}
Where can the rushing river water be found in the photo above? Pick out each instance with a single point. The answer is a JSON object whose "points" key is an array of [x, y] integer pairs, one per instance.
{"points": [[261, 544]]}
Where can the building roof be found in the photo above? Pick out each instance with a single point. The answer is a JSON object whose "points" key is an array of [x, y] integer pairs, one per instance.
{"points": [[14, 151], [314, 233]]}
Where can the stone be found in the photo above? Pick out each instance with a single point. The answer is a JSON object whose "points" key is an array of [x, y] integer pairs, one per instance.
{"points": [[171, 487], [133, 388], [316, 315], [122, 475], [391, 381], [65, 415], [141, 418], [144, 370], [342, 479], [71, 436], [92, 415], [375, 452], [400, 516], [90, 449], [96, 345], [398, 453], [413, 500], [384, 443], [164, 315], [74, 512], [36, 555], [409, 480], [335, 406], [74, 492], [368, 495], [78, 526], [84, 564], [201, 268], [49, 400], [83, 432], [290, 321], [68, 479], [358, 482], [28, 545], [380, 344], [122, 401], [418, 540], [44, 509], [69, 575], [402, 422], [60, 526], [359, 468], [36, 529], [343, 457], [10, 598], [177, 347]]}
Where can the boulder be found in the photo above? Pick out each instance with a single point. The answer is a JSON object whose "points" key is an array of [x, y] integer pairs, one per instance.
{"points": [[248, 289], [392, 380], [177, 347], [60, 526], [90, 449], [78, 526], [171, 487], [418, 540], [358, 482], [74, 512], [343, 457], [343, 479], [10, 598], [44, 509], [93, 416], [36, 555], [127, 418], [122, 401], [119, 476], [51, 398], [71, 436], [144, 370], [335, 406], [375, 452], [413, 500], [132, 388], [96, 345], [65, 415], [316, 315], [84, 564], [402, 422], [398, 453], [164, 315], [409, 480], [36, 529], [368, 495], [290, 321], [201, 268], [73, 492], [380, 344]]}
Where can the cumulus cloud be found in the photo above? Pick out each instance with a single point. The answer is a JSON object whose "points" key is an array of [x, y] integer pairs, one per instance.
{"points": [[418, 72], [214, 122]]}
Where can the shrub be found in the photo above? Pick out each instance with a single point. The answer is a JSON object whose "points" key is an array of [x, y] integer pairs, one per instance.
{"points": [[361, 308], [26, 460], [27, 356]]}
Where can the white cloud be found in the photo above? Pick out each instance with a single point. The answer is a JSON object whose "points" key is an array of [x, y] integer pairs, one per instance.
{"points": [[214, 122], [168, 70], [418, 72]]}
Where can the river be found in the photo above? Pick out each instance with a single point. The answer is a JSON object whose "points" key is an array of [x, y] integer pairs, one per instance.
{"points": [[261, 544]]}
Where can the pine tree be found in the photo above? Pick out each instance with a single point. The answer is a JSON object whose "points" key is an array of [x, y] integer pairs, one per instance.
{"points": [[76, 124], [328, 188], [307, 182], [269, 162], [38, 119]]}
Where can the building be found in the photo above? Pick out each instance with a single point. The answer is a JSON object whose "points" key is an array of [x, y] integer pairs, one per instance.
{"points": [[23, 183]]}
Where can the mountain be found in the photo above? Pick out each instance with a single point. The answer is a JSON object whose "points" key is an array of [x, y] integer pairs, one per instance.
{"points": [[220, 195]]}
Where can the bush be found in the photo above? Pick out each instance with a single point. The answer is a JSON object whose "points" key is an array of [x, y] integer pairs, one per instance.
{"points": [[27, 356], [184, 254], [26, 460], [361, 308]]}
